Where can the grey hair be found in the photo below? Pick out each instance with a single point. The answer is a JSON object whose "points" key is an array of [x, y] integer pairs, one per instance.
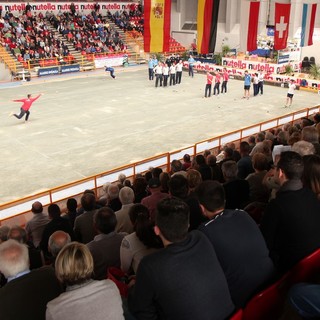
{"points": [[126, 195], [303, 148], [14, 258]]}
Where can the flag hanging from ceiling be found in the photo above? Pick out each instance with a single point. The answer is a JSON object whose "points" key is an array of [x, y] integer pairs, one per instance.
{"points": [[207, 25], [249, 25], [281, 25], [307, 24], [157, 14]]}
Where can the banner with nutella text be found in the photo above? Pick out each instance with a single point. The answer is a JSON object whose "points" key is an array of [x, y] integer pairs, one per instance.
{"points": [[157, 19], [86, 7]]}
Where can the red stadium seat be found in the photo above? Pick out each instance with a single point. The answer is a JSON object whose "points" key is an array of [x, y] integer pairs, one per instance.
{"points": [[237, 315], [268, 304], [307, 270]]}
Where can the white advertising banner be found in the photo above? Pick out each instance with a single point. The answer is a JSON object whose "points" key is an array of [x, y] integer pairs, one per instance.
{"points": [[17, 7], [110, 61]]}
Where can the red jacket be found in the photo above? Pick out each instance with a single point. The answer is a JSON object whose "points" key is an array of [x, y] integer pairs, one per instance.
{"points": [[27, 103]]}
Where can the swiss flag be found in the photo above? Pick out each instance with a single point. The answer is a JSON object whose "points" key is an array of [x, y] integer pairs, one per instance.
{"points": [[281, 25]]}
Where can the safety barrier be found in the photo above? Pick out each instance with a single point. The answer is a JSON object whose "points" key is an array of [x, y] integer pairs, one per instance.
{"points": [[17, 212]]}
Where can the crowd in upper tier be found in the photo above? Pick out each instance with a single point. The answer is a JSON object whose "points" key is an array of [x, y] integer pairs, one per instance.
{"points": [[193, 243]]}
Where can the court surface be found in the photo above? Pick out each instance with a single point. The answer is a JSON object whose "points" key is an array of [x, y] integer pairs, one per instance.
{"points": [[88, 123]]}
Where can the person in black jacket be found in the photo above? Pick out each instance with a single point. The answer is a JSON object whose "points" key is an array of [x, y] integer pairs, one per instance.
{"points": [[291, 221], [184, 280]]}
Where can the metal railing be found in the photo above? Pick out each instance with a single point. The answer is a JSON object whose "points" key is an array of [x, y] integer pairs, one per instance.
{"points": [[17, 211]]}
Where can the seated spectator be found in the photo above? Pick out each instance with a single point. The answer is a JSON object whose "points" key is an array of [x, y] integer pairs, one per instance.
{"points": [[141, 242], [36, 225], [154, 187], [113, 197], [290, 223], [238, 242], [105, 247], [311, 135], [56, 242], [83, 225], [179, 188], [56, 223], [311, 174], [202, 167], [35, 257], [304, 148], [164, 180], [84, 298], [71, 213], [216, 173], [27, 293], [185, 279], [4, 230], [194, 179], [176, 166], [258, 191], [186, 162], [245, 163], [236, 190], [139, 187], [126, 196]]}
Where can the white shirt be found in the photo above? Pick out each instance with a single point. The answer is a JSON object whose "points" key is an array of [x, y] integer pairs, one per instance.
{"points": [[172, 69], [179, 67], [292, 87]]}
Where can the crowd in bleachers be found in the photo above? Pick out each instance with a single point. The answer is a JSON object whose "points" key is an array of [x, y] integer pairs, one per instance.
{"points": [[219, 227], [28, 38], [89, 33]]}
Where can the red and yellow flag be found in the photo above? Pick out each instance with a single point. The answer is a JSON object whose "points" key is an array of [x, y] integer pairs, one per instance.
{"points": [[157, 14], [207, 22]]}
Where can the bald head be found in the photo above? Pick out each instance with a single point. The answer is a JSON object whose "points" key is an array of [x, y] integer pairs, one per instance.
{"points": [[57, 241], [37, 207]]}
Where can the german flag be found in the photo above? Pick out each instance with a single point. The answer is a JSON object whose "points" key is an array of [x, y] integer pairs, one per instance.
{"points": [[207, 25], [157, 14]]}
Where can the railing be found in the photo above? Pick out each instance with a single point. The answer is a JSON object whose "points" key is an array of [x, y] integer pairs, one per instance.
{"points": [[6, 58], [17, 211]]}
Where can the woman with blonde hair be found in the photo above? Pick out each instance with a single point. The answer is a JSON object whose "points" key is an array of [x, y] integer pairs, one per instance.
{"points": [[84, 298]]}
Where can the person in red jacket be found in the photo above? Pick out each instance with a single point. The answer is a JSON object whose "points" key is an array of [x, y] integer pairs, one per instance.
{"points": [[24, 110]]}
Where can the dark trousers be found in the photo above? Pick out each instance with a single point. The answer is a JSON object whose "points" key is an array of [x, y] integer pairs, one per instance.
{"points": [[178, 76], [224, 86], [22, 113], [191, 70], [207, 91], [158, 79], [260, 87], [172, 79], [150, 74], [165, 80], [216, 88], [255, 89]]}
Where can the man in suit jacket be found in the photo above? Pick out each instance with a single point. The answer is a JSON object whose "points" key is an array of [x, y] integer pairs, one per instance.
{"points": [[27, 293]]}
